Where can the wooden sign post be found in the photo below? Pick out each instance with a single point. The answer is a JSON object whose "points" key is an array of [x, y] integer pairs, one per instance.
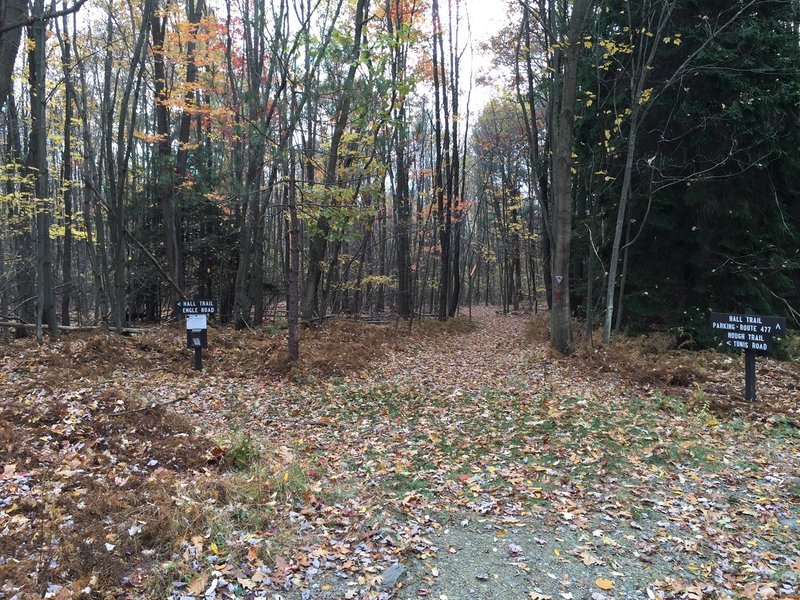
{"points": [[196, 312], [751, 333]]}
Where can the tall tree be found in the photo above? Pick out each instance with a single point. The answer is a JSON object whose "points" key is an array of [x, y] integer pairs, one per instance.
{"points": [[443, 182], [37, 163], [650, 20], [13, 13], [561, 227], [534, 116], [67, 186], [319, 239], [400, 19], [121, 102]]}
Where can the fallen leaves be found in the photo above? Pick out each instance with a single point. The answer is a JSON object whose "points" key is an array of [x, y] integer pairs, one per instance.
{"points": [[198, 585], [480, 426], [590, 560], [604, 584]]}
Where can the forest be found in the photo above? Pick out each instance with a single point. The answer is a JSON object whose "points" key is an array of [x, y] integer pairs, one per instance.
{"points": [[467, 266], [634, 166]]}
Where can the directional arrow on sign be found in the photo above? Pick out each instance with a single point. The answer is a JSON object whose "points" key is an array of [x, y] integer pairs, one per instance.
{"points": [[748, 323], [763, 345], [751, 333]]}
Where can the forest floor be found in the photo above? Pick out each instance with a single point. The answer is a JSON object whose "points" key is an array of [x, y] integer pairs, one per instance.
{"points": [[455, 461]]}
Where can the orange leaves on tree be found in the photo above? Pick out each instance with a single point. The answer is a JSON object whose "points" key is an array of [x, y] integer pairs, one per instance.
{"points": [[460, 208], [150, 138], [403, 11]]}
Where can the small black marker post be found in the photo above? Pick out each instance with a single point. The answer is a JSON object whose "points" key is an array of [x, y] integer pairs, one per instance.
{"points": [[750, 375], [750, 369], [197, 339]]}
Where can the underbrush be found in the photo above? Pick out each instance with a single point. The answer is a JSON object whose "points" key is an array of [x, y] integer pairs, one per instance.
{"points": [[336, 348], [704, 379], [788, 347], [457, 325], [103, 491], [240, 522], [89, 488]]}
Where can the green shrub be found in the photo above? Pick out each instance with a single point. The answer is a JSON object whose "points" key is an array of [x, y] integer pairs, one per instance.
{"points": [[787, 347], [241, 453]]}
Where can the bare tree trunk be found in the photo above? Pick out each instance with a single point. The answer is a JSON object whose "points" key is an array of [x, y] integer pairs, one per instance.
{"points": [[37, 162], [95, 252], [257, 277], [11, 11], [402, 203], [561, 315], [623, 277], [293, 287], [442, 166], [537, 183], [540, 183], [402, 224], [21, 235], [165, 184], [590, 274], [546, 247], [455, 198], [380, 303], [623, 205], [255, 54], [66, 171], [517, 270]]}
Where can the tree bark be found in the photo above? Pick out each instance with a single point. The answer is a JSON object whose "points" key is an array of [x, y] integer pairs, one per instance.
{"points": [[441, 167], [561, 314], [402, 202], [21, 235], [37, 162], [454, 192], [293, 287], [165, 167], [66, 171], [11, 11]]}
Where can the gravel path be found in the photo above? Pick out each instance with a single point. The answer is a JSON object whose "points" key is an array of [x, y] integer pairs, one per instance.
{"points": [[480, 465]]}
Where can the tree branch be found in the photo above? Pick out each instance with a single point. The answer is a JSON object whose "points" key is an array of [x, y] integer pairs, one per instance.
{"points": [[44, 17], [133, 239]]}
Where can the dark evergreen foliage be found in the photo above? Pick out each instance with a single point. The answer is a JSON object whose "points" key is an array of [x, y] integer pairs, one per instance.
{"points": [[714, 204]]}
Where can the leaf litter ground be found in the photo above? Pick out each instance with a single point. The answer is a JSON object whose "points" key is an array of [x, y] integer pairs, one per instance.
{"points": [[462, 463]]}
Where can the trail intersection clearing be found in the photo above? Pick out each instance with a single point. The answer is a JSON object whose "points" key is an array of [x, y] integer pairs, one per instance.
{"points": [[473, 464]]}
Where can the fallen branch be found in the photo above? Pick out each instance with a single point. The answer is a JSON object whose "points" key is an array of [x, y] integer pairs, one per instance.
{"points": [[298, 421], [150, 406], [156, 263], [68, 327]]}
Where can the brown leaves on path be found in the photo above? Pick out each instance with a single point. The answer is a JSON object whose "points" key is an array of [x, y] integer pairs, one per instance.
{"points": [[359, 466]]}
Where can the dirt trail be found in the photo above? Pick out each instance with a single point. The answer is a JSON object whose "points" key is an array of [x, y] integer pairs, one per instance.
{"points": [[465, 462], [515, 476], [495, 355]]}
